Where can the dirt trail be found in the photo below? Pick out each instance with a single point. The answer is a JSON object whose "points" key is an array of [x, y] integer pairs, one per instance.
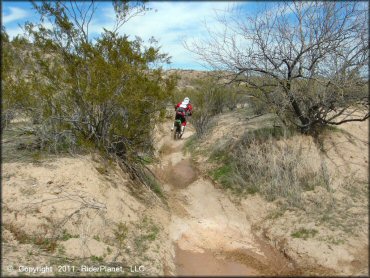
{"points": [[211, 235]]}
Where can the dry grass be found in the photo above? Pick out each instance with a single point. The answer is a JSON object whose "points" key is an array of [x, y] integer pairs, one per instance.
{"points": [[277, 171], [20, 235], [47, 244], [260, 162], [290, 169], [202, 121]]}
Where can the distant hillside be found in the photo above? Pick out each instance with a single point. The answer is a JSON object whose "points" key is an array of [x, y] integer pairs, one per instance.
{"points": [[187, 77]]}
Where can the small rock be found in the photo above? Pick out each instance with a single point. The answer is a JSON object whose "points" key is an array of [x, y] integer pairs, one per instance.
{"points": [[49, 182]]}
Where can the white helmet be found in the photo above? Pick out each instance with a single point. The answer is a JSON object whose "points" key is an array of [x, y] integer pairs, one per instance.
{"points": [[186, 100]]}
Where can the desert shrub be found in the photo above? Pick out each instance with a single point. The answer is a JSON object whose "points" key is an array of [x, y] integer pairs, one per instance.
{"points": [[260, 162], [90, 97], [14, 85], [276, 171], [148, 232], [233, 99], [258, 106], [120, 233], [216, 97], [202, 121], [180, 94], [104, 94], [304, 233], [264, 134]]}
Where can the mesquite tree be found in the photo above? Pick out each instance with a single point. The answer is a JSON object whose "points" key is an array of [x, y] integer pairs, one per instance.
{"points": [[15, 56], [104, 91], [307, 60]]}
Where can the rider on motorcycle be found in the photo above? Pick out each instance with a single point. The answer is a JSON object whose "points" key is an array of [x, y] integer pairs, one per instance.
{"points": [[183, 109]]}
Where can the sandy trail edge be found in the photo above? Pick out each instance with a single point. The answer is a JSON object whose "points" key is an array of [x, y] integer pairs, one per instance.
{"points": [[211, 235]]}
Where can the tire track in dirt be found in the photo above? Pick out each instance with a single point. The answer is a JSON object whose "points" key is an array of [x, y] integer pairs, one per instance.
{"points": [[211, 235]]}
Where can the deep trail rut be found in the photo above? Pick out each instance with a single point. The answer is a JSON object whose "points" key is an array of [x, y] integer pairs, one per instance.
{"points": [[211, 234]]}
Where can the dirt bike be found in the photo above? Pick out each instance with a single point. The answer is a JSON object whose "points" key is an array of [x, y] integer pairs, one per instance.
{"points": [[177, 130], [177, 127]]}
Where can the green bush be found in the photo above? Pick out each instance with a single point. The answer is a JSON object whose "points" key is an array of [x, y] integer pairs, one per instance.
{"points": [[103, 94], [304, 233]]}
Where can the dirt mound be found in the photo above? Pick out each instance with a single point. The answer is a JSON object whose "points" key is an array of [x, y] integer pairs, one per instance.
{"points": [[326, 236], [211, 235], [79, 210], [73, 210], [181, 175]]}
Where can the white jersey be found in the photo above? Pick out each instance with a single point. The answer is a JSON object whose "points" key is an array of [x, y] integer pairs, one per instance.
{"points": [[183, 105]]}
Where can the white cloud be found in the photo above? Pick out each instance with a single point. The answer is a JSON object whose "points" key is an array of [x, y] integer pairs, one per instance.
{"points": [[15, 14], [174, 21], [13, 32], [171, 23], [18, 30], [181, 17]]}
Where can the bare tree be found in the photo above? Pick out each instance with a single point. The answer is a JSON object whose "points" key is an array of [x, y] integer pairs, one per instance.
{"points": [[308, 60]]}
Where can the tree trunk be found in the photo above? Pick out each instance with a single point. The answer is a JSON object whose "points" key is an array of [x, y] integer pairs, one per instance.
{"points": [[297, 110]]}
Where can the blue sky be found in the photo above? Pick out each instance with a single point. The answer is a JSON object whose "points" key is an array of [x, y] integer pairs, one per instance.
{"points": [[170, 22]]}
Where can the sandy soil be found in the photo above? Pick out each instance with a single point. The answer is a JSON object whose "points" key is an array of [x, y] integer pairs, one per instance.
{"points": [[76, 210], [339, 216], [70, 210], [211, 234]]}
